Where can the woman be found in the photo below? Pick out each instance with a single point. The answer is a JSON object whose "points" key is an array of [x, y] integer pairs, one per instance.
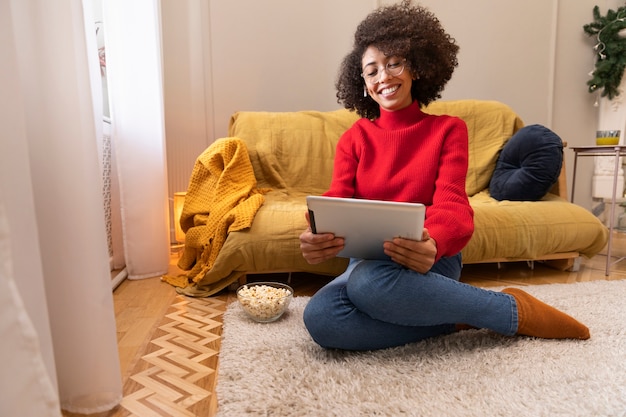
{"points": [[401, 60]]}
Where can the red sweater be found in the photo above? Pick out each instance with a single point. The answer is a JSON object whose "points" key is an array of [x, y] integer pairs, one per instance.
{"points": [[408, 155]]}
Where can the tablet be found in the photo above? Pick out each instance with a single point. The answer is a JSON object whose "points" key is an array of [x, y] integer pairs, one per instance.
{"points": [[365, 224]]}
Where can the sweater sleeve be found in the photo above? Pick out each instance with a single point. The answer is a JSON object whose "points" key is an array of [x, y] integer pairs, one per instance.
{"points": [[450, 218]]}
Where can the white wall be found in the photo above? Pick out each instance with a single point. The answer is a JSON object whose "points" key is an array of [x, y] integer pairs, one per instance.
{"points": [[498, 60], [279, 55], [282, 55]]}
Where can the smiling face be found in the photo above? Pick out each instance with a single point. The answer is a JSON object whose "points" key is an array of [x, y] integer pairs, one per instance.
{"points": [[390, 92]]}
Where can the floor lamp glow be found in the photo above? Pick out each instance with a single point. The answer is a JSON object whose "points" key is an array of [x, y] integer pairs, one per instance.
{"points": [[179, 202]]}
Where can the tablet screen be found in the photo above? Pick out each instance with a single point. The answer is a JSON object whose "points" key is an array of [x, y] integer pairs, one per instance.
{"points": [[365, 224]]}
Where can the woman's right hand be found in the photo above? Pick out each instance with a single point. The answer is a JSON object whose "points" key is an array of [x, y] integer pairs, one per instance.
{"points": [[317, 248]]}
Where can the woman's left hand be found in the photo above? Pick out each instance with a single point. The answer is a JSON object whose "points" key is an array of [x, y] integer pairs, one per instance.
{"points": [[413, 254]]}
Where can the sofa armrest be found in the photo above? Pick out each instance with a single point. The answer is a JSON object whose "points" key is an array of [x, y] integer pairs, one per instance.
{"points": [[560, 187]]}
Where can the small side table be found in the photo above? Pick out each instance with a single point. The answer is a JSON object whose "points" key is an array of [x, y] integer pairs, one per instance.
{"points": [[606, 150]]}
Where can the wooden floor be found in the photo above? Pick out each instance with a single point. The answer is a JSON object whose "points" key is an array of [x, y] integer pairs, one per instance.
{"points": [[169, 344]]}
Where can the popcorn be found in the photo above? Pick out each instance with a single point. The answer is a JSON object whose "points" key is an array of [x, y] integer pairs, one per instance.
{"points": [[264, 302]]}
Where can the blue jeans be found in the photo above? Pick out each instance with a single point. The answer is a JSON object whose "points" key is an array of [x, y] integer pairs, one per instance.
{"points": [[381, 304]]}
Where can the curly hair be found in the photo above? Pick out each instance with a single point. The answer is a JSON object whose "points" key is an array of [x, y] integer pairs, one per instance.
{"points": [[411, 32]]}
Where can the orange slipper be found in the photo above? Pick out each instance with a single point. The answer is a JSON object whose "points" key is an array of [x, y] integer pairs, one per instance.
{"points": [[538, 319]]}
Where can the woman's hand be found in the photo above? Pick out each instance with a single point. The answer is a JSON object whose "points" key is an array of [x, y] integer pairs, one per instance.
{"points": [[317, 248], [416, 255]]}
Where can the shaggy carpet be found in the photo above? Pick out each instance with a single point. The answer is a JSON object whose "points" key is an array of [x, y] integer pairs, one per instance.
{"points": [[275, 369]]}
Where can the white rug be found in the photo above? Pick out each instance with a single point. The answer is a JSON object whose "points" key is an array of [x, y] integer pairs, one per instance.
{"points": [[275, 369]]}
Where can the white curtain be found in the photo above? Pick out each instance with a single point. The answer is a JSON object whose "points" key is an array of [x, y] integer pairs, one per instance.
{"points": [[51, 191], [28, 388], [28, 381], [57, 321], [134, 70]]}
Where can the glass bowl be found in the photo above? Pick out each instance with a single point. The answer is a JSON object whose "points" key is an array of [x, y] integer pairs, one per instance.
{"points": [[264, 302], [607, 137]]}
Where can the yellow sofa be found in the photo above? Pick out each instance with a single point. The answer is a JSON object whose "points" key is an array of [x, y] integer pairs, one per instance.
{"points": [[291, 155]]}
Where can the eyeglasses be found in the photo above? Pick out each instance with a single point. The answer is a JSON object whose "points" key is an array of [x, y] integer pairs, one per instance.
{"points": [[393, 68]]}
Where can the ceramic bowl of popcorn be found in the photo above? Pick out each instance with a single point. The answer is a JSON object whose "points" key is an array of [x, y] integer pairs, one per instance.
{"points": [[264, 302]]}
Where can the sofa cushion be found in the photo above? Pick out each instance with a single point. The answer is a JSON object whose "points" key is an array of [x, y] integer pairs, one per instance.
{"points": [[490, 124], [522, 230], [292, 151], [271, 245], [528, 165], [295, 150]]}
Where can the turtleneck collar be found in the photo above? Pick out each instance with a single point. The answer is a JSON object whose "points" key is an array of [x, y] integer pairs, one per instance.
{"points": [[400, 119]]}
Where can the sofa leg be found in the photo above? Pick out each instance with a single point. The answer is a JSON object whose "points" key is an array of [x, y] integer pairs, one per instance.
{"points": [[243, 280], [567, 264], [575, 265]]}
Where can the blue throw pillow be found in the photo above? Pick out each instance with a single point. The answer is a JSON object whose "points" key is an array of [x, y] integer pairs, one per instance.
{"points": [[528, 166]]}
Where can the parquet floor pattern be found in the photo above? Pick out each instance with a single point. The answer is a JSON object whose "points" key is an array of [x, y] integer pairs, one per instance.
{"points": [[176, 374]]}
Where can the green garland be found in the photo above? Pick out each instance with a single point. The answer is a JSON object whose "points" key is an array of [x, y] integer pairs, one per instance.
{"points": [[610, 50]]}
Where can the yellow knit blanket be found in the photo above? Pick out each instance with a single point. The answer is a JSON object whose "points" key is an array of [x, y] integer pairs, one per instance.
{"points": [[221, 198]]}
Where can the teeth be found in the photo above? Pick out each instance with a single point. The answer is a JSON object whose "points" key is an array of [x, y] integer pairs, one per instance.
{"points": [[389, 90]]}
